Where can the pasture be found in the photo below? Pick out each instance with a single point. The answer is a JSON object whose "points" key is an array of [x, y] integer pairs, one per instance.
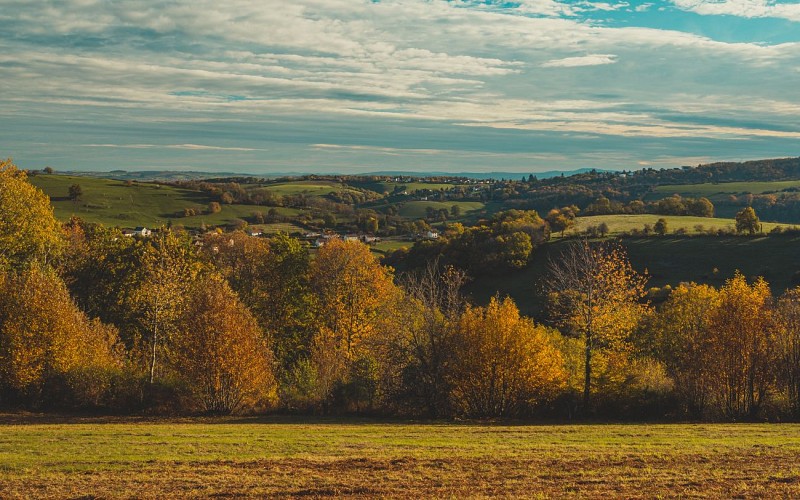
{"points": [[114, 203], [418, 209], [290, 457], [723, 189], [626, 223]]}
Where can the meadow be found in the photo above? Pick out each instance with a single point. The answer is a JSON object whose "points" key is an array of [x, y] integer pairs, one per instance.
{"points": [[116, 204], [627, 223], [290, 457], [715, 190]]}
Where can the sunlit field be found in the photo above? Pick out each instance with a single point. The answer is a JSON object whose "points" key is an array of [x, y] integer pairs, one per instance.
{"points": [[287, 457]]}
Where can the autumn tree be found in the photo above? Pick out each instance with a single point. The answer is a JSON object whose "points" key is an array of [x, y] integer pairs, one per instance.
{"points": [[355, 297], [502, 362], [747, 221], [434, 305], [167, 269], [742, 331], [43, 335], [594, 294], [788, 346], [681, 337], [28, 229], [220, 351]]}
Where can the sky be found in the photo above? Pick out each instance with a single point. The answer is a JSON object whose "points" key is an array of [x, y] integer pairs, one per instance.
{"points": [[356, 86]]}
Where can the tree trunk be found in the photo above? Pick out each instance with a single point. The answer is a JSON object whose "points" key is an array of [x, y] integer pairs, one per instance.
{"points": [[587, 381]]}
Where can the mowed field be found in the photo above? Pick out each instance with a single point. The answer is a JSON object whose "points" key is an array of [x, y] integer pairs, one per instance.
{"points": [[283, 457], [418, 209], [712, 190], [626, 223]]}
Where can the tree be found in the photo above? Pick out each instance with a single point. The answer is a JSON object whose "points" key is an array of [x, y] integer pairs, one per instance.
{"points": [[43, 335], [75, 192], [214, 207], [434, 305], [157, 299], [503, 363], [701, 207], [660, 227], [455, 211], [49, 170], [788, 345], [747, 221], [355, 300], [28, 230], [220, 351], [681, 337], [742, 330], [594, 294]]}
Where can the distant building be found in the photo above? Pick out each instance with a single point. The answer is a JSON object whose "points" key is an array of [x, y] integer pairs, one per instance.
{"points": [[139, 231]]}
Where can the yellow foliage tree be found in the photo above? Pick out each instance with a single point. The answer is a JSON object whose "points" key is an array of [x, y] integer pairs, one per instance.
{"points": [[356, 301], [595, 294], [28, 229], [742, 333], [353, 292], [788, 345], [157, 297], [43, 334], [221, 353], [682, 340], [502, 362]]}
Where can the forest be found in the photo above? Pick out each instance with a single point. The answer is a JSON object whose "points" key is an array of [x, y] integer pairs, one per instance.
{"points": [[93, 320]]}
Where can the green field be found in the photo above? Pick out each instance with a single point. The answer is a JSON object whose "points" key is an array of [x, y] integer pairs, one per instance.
{"points": [[112, 203], [418, 209], [284, 457], [310, 188], [668, 260], [712, 190], [626, 223]]}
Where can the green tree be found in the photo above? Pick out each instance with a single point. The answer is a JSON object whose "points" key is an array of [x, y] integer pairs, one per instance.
{"points": [[75, 192], [747, 221], [660, 227]]}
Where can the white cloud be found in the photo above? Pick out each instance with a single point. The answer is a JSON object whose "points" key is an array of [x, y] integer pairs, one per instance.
{"points": [[742, 8], [589, 60]]}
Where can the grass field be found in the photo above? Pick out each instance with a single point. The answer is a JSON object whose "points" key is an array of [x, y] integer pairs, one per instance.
{"points": [[625, 223], [417, 209], [112, 203], [712, 190], [282, 457], [311, 188]]}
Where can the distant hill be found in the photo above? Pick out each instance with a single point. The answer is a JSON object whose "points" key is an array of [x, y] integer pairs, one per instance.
{"points": [[489, 175], [181, 175]]}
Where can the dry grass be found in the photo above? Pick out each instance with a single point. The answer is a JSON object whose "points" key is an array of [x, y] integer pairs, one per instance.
{"points": [[288, 458]]}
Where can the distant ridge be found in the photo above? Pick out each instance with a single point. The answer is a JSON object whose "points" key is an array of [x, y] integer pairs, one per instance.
{"points": [[181, 175], [489, 175]]}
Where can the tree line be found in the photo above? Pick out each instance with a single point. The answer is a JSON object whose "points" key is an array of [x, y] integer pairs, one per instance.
{"points": [[90, 319]]}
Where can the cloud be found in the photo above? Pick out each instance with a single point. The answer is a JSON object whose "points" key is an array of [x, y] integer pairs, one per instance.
{"points": [[589, 60], [742, 8], [419, 77]]}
